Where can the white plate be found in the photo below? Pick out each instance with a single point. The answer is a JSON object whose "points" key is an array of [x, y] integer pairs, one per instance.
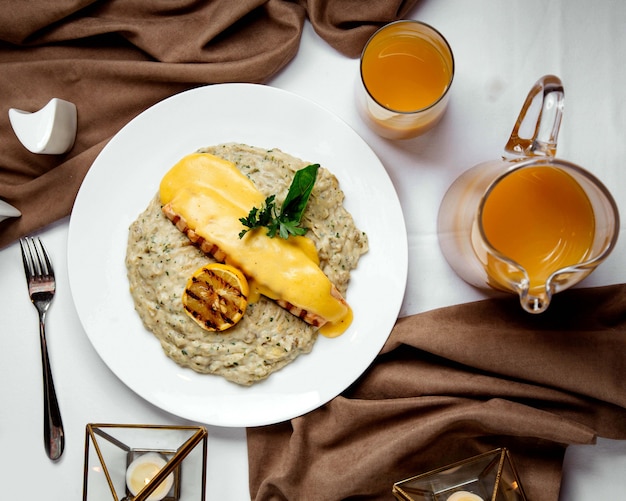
{"points": [[126, 175]]}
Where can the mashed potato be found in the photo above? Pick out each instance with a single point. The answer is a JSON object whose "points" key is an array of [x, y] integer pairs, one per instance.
{"points": [[160, 259]]}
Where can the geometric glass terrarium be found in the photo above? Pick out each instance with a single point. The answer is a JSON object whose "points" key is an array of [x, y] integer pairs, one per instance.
{"points": [[134, 462], [487, 477]]}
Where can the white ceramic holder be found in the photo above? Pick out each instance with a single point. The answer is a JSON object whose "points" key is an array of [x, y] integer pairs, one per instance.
{"points": [[7, 211], [50, 130]]}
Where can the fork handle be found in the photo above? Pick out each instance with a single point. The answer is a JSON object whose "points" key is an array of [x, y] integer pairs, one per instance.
{"points": [[54, 436]]}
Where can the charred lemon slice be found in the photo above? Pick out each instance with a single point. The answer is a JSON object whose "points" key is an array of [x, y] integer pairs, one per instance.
{"points": [[216, 296]]}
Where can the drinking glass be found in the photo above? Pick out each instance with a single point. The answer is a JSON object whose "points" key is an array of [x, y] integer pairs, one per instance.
{"points": [[406, 72]]}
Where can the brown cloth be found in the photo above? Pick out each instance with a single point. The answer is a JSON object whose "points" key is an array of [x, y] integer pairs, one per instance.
{"points": [[452, 383], [113, 59]]}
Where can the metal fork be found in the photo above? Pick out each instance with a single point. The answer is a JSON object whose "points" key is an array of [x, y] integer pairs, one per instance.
{"points": [[41, 289]]}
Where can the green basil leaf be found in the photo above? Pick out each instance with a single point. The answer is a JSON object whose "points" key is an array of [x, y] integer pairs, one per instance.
{"points": [[299, 192]]}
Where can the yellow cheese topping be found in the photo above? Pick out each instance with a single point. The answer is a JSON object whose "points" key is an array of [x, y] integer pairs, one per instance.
{"points": [[211, 194]]}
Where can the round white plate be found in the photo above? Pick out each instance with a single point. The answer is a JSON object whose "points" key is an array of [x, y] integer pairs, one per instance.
{"points": [[126, 175]]}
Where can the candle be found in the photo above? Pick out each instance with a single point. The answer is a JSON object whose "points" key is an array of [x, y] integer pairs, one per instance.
{"points": [[464, 496], [143, 469]]}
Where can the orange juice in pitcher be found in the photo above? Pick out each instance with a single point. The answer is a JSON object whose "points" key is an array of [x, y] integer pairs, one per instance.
{"points": [[541, 218], [530, 223]]}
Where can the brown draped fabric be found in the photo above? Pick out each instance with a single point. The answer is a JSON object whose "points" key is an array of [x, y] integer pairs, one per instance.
{"points": [[455, 382], [115, 58]]}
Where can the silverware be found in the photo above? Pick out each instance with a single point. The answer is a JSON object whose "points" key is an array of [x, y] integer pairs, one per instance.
{"points": [[41, 288]]}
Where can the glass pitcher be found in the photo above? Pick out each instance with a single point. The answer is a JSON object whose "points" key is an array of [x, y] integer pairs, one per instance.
{"points": [[529, 223]]}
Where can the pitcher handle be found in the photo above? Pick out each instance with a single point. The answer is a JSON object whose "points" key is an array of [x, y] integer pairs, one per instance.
{"points": [[543, 143]]}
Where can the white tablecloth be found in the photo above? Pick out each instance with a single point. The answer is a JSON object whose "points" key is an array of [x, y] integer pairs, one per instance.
{"points": [[501, 48]]}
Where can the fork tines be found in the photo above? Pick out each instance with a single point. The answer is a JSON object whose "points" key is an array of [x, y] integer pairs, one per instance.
{"points": [[35, 257]]}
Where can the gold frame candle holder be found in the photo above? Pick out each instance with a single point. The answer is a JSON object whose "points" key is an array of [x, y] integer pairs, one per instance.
{"points": [[138, 462], [490, 476]]}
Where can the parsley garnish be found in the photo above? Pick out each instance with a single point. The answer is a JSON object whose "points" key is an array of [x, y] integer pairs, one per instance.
{"points": [[286, 221]]}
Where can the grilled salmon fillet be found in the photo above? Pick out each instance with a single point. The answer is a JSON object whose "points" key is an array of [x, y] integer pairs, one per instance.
{"points": [[214, 251]]}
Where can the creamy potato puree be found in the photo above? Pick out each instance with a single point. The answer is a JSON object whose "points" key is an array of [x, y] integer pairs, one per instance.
{"points": [[160, 259]]}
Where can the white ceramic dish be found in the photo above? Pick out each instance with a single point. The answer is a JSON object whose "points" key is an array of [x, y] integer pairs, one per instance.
{"points": [[7, 211], [126, 175], [50, 130]]}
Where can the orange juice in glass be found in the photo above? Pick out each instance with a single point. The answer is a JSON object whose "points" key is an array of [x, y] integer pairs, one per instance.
{"points": [[406, 72]]}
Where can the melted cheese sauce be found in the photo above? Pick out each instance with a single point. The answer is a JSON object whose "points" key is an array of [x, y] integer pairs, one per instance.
{"points": [[211, 194]]}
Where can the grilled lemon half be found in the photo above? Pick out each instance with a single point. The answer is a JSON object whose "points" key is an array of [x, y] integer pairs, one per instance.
{"points": [[216, 296]]}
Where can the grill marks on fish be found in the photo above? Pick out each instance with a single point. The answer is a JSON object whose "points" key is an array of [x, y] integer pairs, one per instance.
{"points": [[220, 256], [197, 240], [307, 316]]}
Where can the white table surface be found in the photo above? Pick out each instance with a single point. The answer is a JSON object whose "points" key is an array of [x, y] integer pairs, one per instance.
{"points": [[501, 48]]}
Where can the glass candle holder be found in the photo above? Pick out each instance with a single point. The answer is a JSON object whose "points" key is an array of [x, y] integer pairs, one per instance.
{"points": [[138, 462], [487, 477]]}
